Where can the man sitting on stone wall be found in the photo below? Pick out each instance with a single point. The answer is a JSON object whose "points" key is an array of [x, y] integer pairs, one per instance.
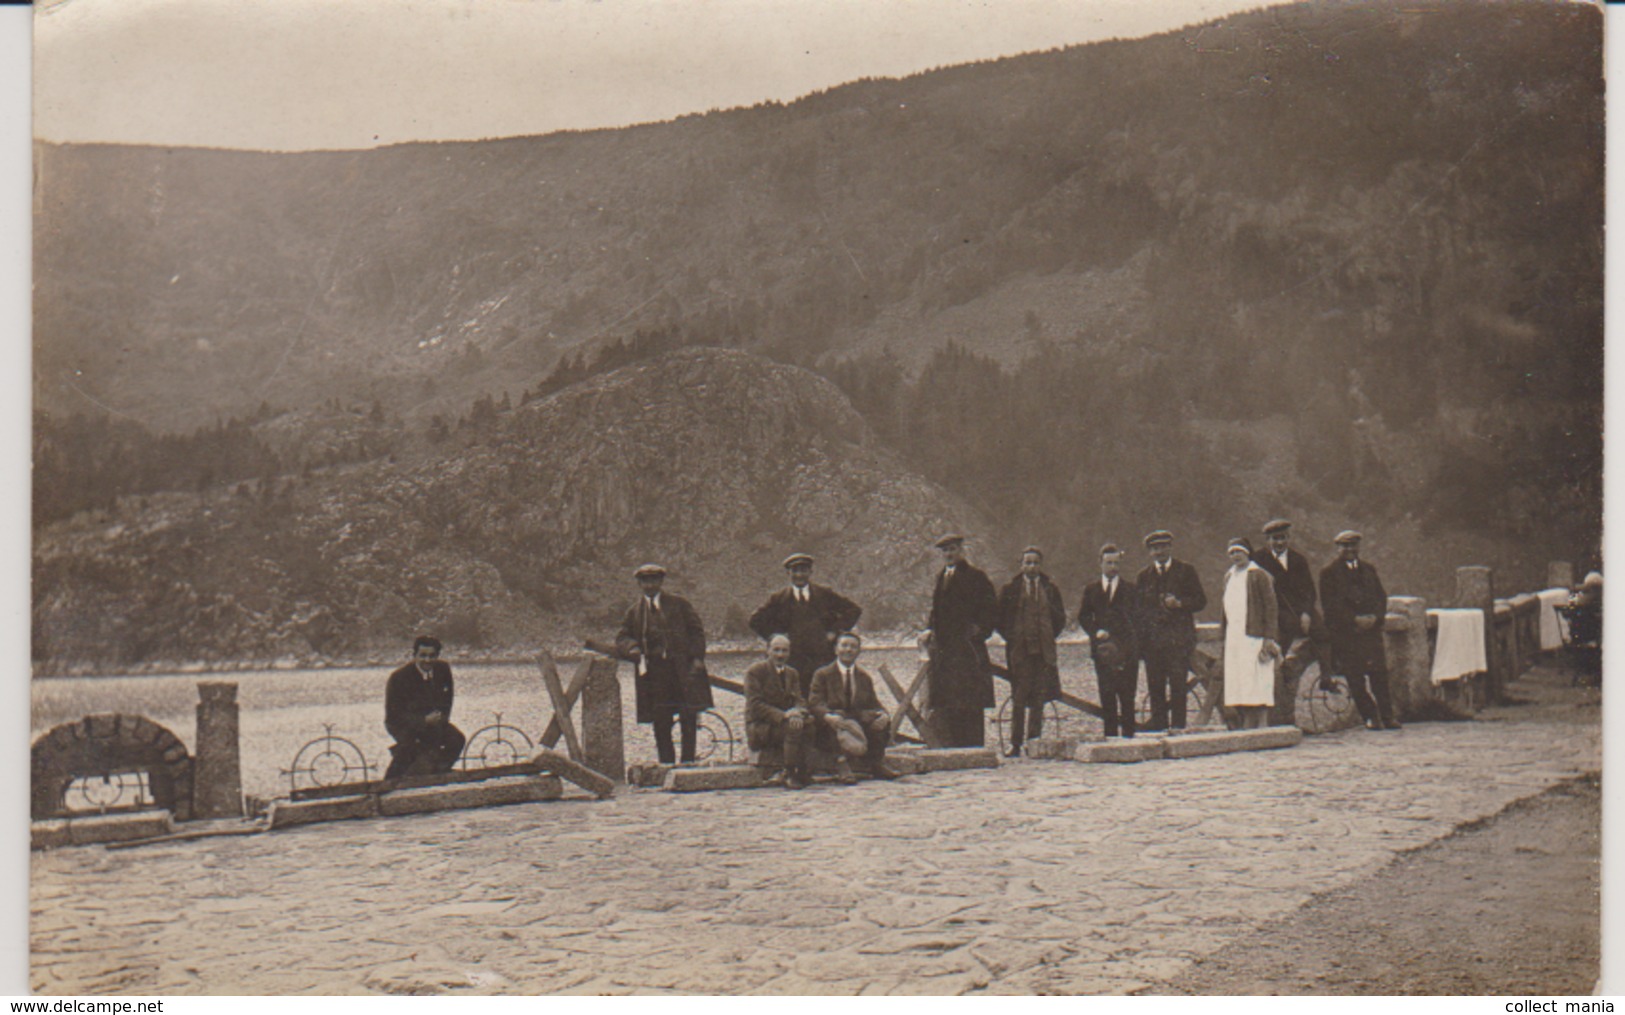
{"points": [[417, 713], [776, 715], [853, 723]]}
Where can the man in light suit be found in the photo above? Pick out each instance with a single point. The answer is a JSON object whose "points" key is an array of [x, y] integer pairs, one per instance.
{"points": [[854, 723], [813, 616], [1170, 597]]}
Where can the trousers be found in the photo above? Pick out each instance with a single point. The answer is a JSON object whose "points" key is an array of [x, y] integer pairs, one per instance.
{"points": [[1117, 686], [663, 721], [1167, 668]]}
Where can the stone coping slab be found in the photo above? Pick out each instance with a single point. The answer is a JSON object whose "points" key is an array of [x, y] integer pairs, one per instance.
{"points": [[90, 829], [1158, 746], [425, 800], [1204, 744], [903, 761]]}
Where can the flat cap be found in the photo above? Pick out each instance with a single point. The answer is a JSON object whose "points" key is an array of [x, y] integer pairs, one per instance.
{"points": [[951, 539], [1278, 525], [649, 571], [1347, 536], [798, 558], [1159, 536]]}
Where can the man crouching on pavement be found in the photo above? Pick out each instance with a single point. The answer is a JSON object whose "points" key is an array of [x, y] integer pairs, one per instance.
{"points": [[417, 713], [853, 723], [775, 713]]}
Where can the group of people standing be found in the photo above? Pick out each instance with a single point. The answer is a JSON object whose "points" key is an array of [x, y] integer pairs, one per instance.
{"points": [[809, 692], [1276, 620]]}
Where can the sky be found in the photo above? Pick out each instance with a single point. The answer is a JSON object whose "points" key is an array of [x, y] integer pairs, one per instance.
{"points": [[303, 74]]}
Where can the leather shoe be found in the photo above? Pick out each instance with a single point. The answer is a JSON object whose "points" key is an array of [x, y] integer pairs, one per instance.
{"points": [[881, 771], [843, 773], [794, 781], [1372, 724], [1014, 752], [1392, 724]]}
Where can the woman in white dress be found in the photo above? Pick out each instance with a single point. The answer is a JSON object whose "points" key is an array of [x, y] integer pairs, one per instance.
{"points": [[1250, 631]]}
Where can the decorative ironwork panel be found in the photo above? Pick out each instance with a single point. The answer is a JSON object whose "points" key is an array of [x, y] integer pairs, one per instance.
{"points": [[496, 744], [328, 760]]}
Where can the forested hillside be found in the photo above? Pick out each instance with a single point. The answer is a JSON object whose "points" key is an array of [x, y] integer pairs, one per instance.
{"points": [[1342, 262]]}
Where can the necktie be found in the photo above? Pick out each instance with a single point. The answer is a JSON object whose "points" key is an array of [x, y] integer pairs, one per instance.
{"points": [[1032, 588], [848, 675]]}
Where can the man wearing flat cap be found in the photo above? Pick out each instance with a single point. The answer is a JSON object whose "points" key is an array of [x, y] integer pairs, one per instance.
{"points": [[813, 616], [1170, 598], [664, 638], [1030, 618], [1302, 634], [959, 684], [1356, 607]]}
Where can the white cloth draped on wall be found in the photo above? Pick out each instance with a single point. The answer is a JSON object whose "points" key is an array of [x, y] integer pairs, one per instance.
{"points": [[1459, 650]]}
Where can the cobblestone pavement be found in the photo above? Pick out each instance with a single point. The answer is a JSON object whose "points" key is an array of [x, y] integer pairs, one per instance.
{"points": [[1038, 877]]}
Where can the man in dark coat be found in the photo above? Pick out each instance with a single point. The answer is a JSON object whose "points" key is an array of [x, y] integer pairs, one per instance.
{"points": [[853, 722], [959, 685], [1356, 607], [812, 615], [1170, 596], [1109, 616], [417, 713], [776, 713], [1303, 636], [1030, 618], [664, 638]]}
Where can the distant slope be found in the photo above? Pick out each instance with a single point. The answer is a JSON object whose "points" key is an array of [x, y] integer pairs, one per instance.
{"points": [[713, 462], [1332, 181], [1337, 261]]}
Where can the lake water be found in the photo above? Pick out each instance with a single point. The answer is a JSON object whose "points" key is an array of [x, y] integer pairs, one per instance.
{"points": [[283, 709]]}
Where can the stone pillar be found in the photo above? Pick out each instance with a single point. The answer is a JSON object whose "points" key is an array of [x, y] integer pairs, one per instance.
{"points": [[1475, 589], [1560, 575], [1410, 666], [217, 780], [602, 736]]}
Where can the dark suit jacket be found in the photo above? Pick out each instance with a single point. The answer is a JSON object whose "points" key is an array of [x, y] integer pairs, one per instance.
{"points": [[768, 696], [829, 692], [810, 645], [1160, 626], [408, 698], [1344, 595], [684, 642], [1117, 616], [963, 612], [1294, 590], [1010, 605]]}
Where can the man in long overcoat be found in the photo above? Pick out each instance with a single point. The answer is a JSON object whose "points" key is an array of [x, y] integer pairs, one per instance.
{"points": [[1171, 596], [959, 686], [664, 638], [1031, 616], [1109, 614], [1356, 607], [812, 615], [417, 714], [1303, 636]]}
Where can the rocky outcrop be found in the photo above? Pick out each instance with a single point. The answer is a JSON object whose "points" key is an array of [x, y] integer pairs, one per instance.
{"points": [[714, 462]]}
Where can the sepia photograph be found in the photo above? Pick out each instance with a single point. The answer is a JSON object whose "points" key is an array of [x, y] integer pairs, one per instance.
{"points": [[816, 497]]}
